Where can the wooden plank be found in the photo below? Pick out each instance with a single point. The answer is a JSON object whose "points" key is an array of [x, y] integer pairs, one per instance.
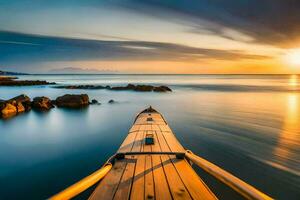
{"points": [[108, 186], [128, 142], [162, 190], [155, 127], [165, 128], [156, 146], [196, 187], [138, 189], [172, 142], [123, 191], [177, 188], [149, 184], [135, 127], [138, 143], [162, 142], [143, 127], [148, 127]]}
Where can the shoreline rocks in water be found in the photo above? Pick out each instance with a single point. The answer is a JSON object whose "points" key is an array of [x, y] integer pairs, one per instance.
{"points": [[23, 103], [72, 101], [132, 87], [11, 81], [42, 103], [14, 106]]}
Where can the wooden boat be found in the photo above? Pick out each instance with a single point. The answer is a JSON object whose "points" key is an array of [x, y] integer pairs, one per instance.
{"points": [[152, 164]]}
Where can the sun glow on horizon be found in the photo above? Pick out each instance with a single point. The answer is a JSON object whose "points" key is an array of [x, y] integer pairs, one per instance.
{"points": [[293, 57]]}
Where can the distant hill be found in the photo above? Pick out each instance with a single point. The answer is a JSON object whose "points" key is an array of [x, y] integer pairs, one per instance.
{"points": [[11, 73]]}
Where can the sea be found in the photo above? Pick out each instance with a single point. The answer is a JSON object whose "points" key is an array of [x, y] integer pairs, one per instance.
{"points": [[248, 125]]}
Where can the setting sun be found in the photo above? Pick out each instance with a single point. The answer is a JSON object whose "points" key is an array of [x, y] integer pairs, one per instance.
{"points": [[293, 57]]}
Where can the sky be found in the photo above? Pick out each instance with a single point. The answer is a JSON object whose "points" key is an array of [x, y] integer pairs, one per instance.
{"points": [[150, 36]]}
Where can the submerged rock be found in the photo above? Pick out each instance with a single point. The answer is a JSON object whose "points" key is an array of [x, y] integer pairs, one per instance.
{"points": [[144, 88], [162, 89], [72, 100], [111, 101], [95, 102], [42, 103]]}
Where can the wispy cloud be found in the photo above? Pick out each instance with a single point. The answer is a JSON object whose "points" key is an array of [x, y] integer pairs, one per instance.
{"points": [[273, 22], [15, 46]]}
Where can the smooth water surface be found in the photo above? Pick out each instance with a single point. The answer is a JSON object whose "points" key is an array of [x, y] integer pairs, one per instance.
{"points": [[247, 124]]}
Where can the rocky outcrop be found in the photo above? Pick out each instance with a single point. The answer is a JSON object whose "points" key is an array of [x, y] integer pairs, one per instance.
{"points": [[138, 88], [144, 88], [20, 107], [8, 109], [42, 103], [22, 103], [14, 106], [24, 100], [83, 87], [72, 101], [162, 89], [11, 81]]}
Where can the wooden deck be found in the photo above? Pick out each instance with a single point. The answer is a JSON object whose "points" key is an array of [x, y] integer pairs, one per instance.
{"points": [[150, 175]]}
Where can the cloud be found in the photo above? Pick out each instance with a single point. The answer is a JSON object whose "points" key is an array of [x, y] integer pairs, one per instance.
{"points": [[18, 47], [274, 22]]}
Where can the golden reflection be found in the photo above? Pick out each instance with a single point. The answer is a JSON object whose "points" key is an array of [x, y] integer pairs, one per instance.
{"points": [[289, 137], [293, 81]]}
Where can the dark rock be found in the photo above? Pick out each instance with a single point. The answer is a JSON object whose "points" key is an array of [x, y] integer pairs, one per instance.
{"points": [[119, 88], [24, 100], [72, 101], [80, 87], [14, 106], [111, 101], [12, 82], [11, 108], [130, 87], [162, 89], [7, 78], [139, 88], [144, 88], [95, 102], [42, 103]]}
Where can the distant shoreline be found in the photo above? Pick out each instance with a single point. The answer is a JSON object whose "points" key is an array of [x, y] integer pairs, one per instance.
{"points": [[38, 74]]}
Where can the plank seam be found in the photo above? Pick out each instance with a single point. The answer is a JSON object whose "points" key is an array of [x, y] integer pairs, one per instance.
{"points": [[164, 168]]}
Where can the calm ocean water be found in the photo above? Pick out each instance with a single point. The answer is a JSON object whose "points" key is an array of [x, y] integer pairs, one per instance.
{"points": [[247, 124]]}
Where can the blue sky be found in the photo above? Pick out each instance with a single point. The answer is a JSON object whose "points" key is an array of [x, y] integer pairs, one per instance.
{"points": [[130, 36]]}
